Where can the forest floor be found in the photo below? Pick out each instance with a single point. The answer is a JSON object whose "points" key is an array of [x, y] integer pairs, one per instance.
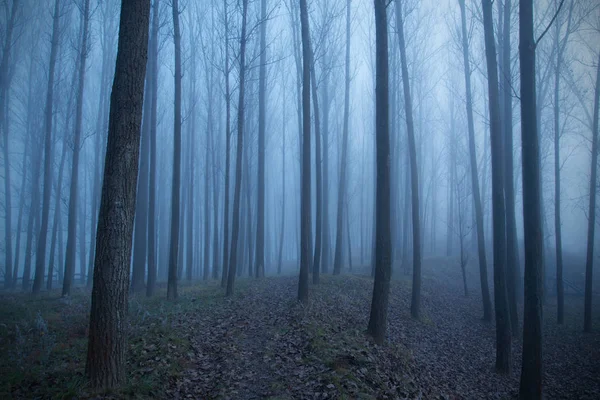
{"points": [[262, 343]]}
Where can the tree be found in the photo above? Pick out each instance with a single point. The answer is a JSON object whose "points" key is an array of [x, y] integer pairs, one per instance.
{"points": [[415, 304], [4, 86], [105, 365], [319, 200], [176, 194], [235, 228], [152, 175], [72, 234], [383, 245], [485, 291], [503, 341], [40, 257], [305, 218], [260, 223], [337, 261], [227, 155], [531, 370], [589, 263]]}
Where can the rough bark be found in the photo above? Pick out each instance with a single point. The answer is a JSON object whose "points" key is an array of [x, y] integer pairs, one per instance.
{"points": [[383, 244], [105, 365]]}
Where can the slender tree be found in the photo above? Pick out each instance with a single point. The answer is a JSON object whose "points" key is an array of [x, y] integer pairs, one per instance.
{"points": [[153, 56], [337, 261], [485, 291], [176, 194], [40, 257], [305, 217], [105, 366], [589, 263], [383, 244], [71, 227], [235, 228], [415, 304], [531, 370], [227, 156]]}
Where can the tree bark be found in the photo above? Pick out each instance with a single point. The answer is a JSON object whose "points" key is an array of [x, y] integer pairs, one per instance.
{"points": [[305, 206], [383, 244], [319, 177], [531, 371], [176, 194], [105, 366]]}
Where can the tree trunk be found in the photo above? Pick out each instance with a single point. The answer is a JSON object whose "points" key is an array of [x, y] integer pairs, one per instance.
{"points": [[153, 56], [326, 242], [57, 216], [226, 243], [305, 207], [105, 366], [503, 341], [531, 372], [319, 177], [235, 228], [40, 257], [73, 193], [589, 263], [283, 177], [415, 304], [4, 91], [485, 291], [383, 245], [337, 262], [176, 194]]}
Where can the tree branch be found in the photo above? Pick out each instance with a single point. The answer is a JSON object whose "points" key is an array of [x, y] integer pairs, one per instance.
{"points": [[550, 24]]}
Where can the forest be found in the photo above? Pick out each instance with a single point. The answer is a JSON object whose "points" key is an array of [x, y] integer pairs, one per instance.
{"points": [[385, 199]]}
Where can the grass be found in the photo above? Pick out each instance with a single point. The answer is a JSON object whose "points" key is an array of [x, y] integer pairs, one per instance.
{"points": [[43, 342]]}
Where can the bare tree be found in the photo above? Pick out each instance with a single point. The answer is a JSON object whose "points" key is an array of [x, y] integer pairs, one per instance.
{"points": [[105, 365], [383, 245], [305, 217]]}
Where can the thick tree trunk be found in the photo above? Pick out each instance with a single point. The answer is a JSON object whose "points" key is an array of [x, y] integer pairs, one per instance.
{"points": [[235, 228], [589, 263], [485, 291], [337, 262], [415, 304], [531, 372], [40, 257], [105, 365], [383, 244], [176, 194], [305, 207], [153, 56]]}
